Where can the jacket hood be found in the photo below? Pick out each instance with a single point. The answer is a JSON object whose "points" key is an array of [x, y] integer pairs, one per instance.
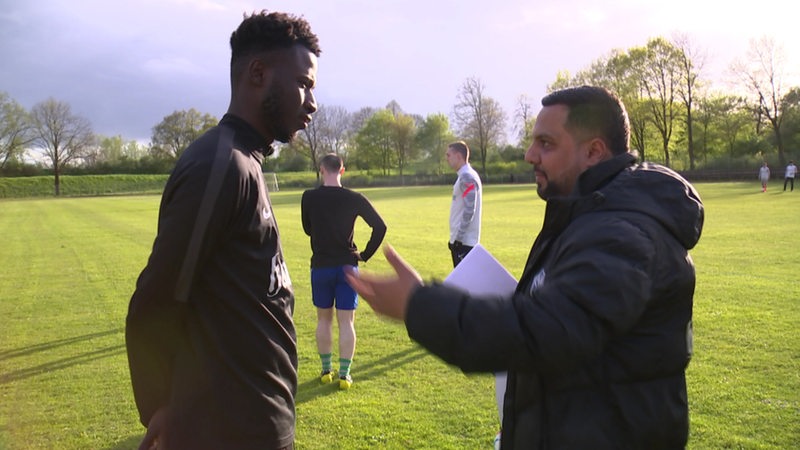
{"points": [[620, 184]]}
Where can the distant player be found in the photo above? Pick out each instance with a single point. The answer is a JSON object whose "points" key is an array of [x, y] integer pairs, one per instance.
{"points": [[465, 210]]}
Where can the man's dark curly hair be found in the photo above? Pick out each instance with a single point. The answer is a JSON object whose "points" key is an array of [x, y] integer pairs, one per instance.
{"points": [[594, 110], [265, 31]]}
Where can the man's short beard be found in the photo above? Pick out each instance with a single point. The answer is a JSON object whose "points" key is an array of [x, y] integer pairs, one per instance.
{"points": [[547, 192]]}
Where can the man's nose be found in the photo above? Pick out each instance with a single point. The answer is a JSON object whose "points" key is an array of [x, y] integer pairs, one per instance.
{"points": [[531, 156]]}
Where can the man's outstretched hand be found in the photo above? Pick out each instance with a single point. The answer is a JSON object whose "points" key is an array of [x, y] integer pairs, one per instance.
{"points": [[388, 295]]}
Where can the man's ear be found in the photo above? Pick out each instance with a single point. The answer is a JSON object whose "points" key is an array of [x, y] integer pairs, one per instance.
{"points": [[258, 72], [597, 152]]}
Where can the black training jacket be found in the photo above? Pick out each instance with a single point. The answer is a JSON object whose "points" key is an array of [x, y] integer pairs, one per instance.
{"points": [[225, 363], [597, 337]]}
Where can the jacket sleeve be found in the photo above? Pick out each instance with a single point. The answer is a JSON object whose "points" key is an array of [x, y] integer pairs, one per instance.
{"points": [[374, 220], [596, 287], [468, 189], [305, 212], [155, 324]]}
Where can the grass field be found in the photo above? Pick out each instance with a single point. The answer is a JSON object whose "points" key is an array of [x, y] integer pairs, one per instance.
{"points": [[69, 267]]}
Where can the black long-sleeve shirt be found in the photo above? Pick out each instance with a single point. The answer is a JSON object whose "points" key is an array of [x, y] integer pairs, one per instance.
{"points": [[329, 214], [224, 363]]}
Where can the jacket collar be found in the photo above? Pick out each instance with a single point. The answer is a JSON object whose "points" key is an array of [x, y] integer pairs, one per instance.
{"points": [[560, 211], [597, 176], [246, 136]]}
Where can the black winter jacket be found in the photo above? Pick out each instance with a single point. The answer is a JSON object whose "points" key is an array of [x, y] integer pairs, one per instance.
{"points": [[597, 337]]}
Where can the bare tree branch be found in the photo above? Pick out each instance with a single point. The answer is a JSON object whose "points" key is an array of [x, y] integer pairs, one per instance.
{"points": [[62, 136]]}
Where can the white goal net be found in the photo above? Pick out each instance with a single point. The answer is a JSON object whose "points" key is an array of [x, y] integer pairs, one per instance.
{"points": [[271, 180]]}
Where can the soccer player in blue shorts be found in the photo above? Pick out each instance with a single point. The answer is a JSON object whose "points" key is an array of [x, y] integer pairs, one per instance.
{"points": [[329, 214]]}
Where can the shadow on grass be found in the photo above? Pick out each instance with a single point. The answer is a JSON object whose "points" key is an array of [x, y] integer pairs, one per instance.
{"points": [[62, 363], [312, 388], [31, 349], [131, 443]]}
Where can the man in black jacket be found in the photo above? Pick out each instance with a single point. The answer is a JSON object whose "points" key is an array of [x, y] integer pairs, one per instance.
{"points": [[598, 334], [212, 350]]}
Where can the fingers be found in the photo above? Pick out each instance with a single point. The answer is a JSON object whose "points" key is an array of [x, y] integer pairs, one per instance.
{"points": [[387, 295], [154, 429], [361, 286], [392, 257], [400, 266], [149, 442]]}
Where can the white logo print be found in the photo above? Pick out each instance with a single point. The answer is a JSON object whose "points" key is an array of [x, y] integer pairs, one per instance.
{"points": [[537, 281], [265, 213], [279, 276]]}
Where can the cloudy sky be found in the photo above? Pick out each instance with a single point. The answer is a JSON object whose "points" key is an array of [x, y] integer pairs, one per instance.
{"points": [[125, 65]]}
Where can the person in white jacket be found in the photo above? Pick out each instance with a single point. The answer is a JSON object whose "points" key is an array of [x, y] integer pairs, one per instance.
{"points": [[465, 210], [791, 171], [763, 175]]}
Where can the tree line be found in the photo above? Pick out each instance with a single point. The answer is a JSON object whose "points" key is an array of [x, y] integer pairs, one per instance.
{"points": [[678, 118]]}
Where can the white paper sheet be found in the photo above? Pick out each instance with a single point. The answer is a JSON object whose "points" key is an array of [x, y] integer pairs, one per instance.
{"points": [[480, 273]]}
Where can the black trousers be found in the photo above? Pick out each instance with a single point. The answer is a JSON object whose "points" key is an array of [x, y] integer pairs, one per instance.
{"points": [[788, 180], [458, 252]]}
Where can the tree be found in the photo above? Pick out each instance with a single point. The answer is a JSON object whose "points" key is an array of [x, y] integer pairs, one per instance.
{"points": [[621, 77], [658, 74], [705, 115], [732, 119], [481, 119], [722, 121], [616, 72], [16, 132], [327, 133], [394, 107], [404, 130], [62, 136], [432, 138], [114, 150], [762, 75], [177, 130], [791, 122], [375, 141], [309, 143], [336, 138], [691, 64], [524, 120]]}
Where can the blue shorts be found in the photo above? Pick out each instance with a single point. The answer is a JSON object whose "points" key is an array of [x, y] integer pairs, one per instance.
{"points": [[329, 287]]}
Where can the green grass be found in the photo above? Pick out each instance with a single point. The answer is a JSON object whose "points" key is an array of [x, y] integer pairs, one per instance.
{"points": [[69, 267]]}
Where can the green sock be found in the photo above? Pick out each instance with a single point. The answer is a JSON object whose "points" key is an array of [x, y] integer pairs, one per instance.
{"points": [[344, 367], [326, 361]]}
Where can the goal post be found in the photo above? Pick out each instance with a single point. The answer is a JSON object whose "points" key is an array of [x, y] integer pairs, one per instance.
{"points": [[271, 181]]}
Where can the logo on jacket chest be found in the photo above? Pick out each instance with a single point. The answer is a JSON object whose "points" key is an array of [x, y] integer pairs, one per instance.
{"points": [[537, 281]]}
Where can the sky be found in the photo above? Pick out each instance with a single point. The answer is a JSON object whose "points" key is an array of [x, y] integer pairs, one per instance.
{"points": [[125, 65]]}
